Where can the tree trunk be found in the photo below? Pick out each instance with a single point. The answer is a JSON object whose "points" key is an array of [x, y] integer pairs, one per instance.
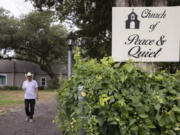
{"points": [[160, 2], [126, 3], [121, 3], [135, 3], [47, 68]]}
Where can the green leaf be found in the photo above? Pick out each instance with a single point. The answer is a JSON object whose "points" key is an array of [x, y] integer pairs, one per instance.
{"points": [[144, 116], [161, 120], [128, 67], [177, 128], [100, 121], [123, 130], [113, 123], [176, 109], [101, 102], [178, 117], [123, 77], [134, 128], [132, 121], [149, 123], [157, 107], [159, 77], [117, 65], [172, 116], [78, 110], [171, 132]]}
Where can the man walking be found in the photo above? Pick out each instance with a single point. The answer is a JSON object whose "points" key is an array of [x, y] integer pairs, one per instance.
{"points": [[31, 93]]}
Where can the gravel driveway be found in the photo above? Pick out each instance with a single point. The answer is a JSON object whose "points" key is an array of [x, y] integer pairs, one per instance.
{"points": [[14, 124]]}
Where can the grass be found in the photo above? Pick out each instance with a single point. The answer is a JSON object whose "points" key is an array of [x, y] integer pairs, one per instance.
{"points": [[15, 98], [10, 102]]}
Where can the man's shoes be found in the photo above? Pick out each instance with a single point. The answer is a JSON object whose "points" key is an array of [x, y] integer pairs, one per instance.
{"points": [[30, 120], [27, 119]]}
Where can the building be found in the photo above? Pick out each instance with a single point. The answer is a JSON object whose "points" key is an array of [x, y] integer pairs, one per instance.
{"points": [[132, 22], [12, 72]]}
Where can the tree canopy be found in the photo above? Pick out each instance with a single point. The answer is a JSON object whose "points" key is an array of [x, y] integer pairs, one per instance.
{"points": [[8, 27], [35, 38], [173, 2], [93, 18]]}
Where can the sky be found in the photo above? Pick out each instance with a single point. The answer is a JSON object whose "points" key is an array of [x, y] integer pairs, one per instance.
{"points": [[17, 7]]}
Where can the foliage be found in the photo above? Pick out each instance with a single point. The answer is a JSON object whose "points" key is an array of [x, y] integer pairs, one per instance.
{"points": [[119, 101], [41, 42], [41, 88], [173, 2], [93, 19], [35, 38], [9, 88], [53, 84], [170, 67], [8, 27]]}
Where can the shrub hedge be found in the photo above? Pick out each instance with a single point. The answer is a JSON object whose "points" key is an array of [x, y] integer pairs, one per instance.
{"points": [[9, 88], [119, 100]]}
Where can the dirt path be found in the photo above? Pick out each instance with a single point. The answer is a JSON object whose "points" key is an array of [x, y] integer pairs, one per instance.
{"points": [[14, 124]]}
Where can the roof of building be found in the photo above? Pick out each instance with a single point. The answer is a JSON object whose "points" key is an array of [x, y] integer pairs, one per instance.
{"points": [[18, 66]]}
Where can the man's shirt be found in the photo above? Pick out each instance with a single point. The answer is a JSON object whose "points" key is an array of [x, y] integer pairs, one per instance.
{"points": [[30, 89]]}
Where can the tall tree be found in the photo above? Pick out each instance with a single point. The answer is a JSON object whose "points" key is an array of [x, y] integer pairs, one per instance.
{"points": [[8, 27], [36, 39], [121, 3], [93, 18], [40, 41]]}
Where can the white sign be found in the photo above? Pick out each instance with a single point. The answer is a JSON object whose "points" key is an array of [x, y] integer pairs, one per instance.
{"points": [[146, 33]]}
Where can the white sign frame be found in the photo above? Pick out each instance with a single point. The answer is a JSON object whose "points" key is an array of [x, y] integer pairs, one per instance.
{"points": [[158, 26]]}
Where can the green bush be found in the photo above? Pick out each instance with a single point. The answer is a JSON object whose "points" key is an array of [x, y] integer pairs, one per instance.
{"points": [[119, 101], [41, 88], [53, 84], [9, 88]]}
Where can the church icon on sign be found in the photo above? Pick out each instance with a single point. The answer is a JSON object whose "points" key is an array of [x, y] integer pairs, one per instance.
{"points": [[132, 22]]}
